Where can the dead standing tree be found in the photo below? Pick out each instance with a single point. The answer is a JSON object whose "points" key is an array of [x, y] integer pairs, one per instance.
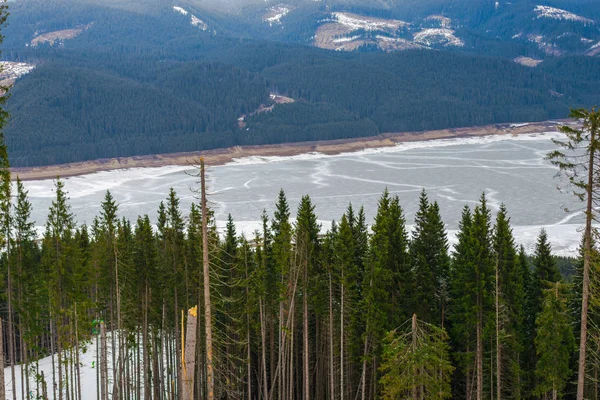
{"points": [[579, 162]]}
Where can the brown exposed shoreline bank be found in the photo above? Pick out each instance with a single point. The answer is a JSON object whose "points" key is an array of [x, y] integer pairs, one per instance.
{"points": [[223, 156]]}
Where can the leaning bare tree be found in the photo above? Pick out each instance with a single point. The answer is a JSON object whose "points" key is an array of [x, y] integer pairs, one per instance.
{"points": [[578, 161]]}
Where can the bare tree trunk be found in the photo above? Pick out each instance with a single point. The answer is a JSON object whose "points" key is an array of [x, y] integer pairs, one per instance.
{"points": [[331, 366], [263, 332], [342, 319], [77, 368], [207, 306], [587, 255], [2, 387], [103, 363], [498, 342], [189, 360], [305, 343], [415, 391], [479, 351], [52, 357], [363, 379], [146, 362]]}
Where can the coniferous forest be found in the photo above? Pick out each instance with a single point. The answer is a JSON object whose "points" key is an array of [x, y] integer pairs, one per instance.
{"points": [[173, 308], [357, 312]]}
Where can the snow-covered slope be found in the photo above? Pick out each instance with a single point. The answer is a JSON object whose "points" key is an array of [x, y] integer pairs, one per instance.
{"points": [[557, 13], [275, 13], [441, 36], [195, 21]]}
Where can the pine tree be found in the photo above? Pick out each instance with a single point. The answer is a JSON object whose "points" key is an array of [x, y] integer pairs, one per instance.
{"points": [[307, 243], [429, 255], [578, 162], [57, 245], [472, 286], [554, 343], [510, 294], [416, 363], [545, 270]]}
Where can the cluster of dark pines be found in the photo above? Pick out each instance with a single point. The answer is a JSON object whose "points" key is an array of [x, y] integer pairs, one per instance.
{"points": [[296, 314]]}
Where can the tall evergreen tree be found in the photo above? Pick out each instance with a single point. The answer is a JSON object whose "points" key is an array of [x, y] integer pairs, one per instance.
{"points": [[545, 270], [554, 344], [429, 255], [510, 310]]}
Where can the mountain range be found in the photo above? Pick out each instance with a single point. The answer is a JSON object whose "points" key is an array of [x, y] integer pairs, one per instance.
{"points": [[107, 78]]}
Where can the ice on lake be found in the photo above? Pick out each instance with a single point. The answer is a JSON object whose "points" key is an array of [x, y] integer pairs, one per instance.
{"points": [[510, 170]]}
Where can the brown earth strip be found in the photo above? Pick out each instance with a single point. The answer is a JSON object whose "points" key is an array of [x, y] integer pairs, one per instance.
{"points": [[223, 156]]}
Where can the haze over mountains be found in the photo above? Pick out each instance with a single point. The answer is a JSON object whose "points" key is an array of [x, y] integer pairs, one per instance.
{"points": [[115, 78]]}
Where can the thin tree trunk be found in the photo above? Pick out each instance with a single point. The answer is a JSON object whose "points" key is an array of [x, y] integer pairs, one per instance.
{"points": [[103, 363], [331, 366], [52, 357], [342, 319], [305, 344], [414, 345], [189, 361], [146, 363], [2, 387], [77, 368], [479, 351], [263, 350], [498, 342], [586, 269], [207, 305]]}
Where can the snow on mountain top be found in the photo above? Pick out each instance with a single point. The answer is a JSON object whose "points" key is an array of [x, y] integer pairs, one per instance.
{"points": [[273, 17], [14, 70], [356, 22], [445, 22], [528, 62], [199, 23], [195, 21], [180, 10], [557, 13], [346, 39], [446, 37]]}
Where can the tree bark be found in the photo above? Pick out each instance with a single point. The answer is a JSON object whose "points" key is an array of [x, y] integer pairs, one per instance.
{"points": [[331, 367], [498, 342], [2, 387], [586, 268], [207, 306]]}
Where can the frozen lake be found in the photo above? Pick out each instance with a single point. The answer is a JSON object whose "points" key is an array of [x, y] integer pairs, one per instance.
{"points": [[455, 172]]}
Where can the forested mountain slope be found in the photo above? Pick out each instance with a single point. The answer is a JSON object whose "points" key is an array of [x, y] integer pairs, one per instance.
{"points": [[114, 79]]}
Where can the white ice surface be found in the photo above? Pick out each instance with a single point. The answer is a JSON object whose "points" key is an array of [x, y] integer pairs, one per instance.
{"points": [[510, 169]]}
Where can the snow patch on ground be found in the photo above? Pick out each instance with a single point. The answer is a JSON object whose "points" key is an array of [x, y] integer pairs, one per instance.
{"points": [[444, 22], [548, 48], [356, 22], [430, 37], [273, 17], [199, 23], [14, 70], [562, 15], [194, 21], [528, 62], [180, 10], [346, 39]]}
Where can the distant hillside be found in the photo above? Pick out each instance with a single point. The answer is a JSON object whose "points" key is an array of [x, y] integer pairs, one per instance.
{"points": [[108, 78]]}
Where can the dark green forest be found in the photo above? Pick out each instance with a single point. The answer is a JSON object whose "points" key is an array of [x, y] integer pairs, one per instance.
{"points": [[291, 297], [142, 80], [70, 109]]}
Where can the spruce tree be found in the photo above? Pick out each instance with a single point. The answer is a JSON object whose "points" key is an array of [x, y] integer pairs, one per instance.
{"points": [[554, 343], [429, 255], [510, 309], [545, 270], [416, 362]]}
